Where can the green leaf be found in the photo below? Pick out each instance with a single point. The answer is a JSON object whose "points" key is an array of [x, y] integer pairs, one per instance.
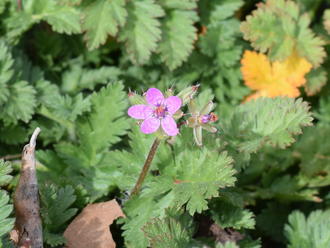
{"points": [[224, 10], [316, 79], [62, 109], [63, 19], [177, 40], [142, 29], [313, 231], [53, 239], [312, 151], [199, 175], [13, 135], [103, 18], [279, 28], [179, 4], [56, 211], [289, 188], [107, 120], [6, 71], [267, 121], [228, 244], [175, 230], [6, 224], [271, 220], [227, 215], [78, 78], [20, 104], [5, 170]]}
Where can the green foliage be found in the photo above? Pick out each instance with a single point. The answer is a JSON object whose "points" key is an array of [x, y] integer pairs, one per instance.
{"points": [[5, 170], [62, 18], [21, 103], [278, 27], [177, 40], [267, 122], [102, 18], [70, 68], [199, 176], [106, 121], [313, 231], [86, 163], [228, 215], [193, 177], [56, 211], [78, 78], [316, 79], [174, 230], [228, 244], [142, 29], [313, 154], [6, 224]]}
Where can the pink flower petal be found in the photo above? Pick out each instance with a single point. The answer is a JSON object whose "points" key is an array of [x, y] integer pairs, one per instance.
{"points": [[173, 103], [150, 125], [139, 111], [154, 96], [169, 126]]}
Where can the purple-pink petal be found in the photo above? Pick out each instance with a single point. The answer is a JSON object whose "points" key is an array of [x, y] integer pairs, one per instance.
{"points": [[139, 111], [173, 103], [150, 125], [169, 126], [154, 96]]}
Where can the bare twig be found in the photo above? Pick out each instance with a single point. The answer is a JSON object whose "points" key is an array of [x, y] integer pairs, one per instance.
{"points": [[28, 228], [9, 157], [146, 167]]}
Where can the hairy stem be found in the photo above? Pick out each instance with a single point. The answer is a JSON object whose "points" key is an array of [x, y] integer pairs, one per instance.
{"points": [[146, 167], [19, 5]]}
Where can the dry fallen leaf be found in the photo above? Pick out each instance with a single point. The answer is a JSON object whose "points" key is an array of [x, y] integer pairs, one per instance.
{"points": [[271, 79], [91, 227]]}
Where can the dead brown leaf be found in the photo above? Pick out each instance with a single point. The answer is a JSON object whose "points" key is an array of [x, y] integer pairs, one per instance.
{"points": [[91, 227]]}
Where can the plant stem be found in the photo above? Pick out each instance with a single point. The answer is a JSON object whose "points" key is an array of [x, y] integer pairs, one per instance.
{"points": [[146, 167], [19, 5]]}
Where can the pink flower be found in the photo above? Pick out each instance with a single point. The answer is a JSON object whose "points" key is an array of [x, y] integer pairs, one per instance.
{"points": [[158, 112]]}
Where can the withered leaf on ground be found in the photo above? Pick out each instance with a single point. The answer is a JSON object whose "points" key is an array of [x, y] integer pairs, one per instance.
{"points": [[91, 227]]}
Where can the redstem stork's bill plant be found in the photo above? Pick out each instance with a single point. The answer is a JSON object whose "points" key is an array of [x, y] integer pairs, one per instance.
{"points": [[159, 115]]}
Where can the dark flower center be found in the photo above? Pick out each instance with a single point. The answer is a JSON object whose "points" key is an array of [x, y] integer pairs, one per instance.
{"points": [[160, 111]]}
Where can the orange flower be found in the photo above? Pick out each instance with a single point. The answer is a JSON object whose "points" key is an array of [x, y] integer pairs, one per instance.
{"points": [[271, 79]]}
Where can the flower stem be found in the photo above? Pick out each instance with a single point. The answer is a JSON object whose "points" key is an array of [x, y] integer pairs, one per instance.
{"points": [[146, 167]]}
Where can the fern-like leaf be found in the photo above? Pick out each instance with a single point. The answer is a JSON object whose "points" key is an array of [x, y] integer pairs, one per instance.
{"points": [[6, 224], [175, 230], [6, 71], [5, 170], [103, 18], [56, 211], [313, 231], [106, 121], [20, 104], [270, 121], [142, 29], [177, 40]]}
